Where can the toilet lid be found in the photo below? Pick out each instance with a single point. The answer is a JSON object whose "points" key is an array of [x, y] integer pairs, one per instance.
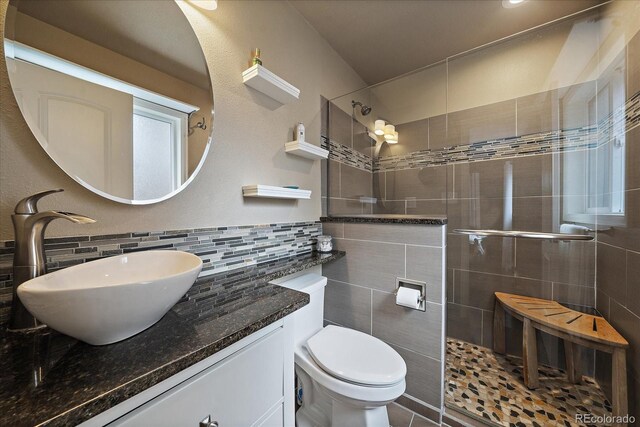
{"points": [[356, 357]]}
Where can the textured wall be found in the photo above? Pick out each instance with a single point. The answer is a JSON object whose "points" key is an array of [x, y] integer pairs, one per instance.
{"points": [[248, 136]]}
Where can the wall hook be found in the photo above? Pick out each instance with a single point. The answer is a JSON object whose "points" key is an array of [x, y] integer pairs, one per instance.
{"points": [[199, 125]]}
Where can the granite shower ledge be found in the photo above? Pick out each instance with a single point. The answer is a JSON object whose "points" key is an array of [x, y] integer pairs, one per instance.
{"points": [[388, 219], [76, 381]]}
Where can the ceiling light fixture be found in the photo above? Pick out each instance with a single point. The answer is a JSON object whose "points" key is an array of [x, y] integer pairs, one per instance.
{"points": [[206, 4], [393, 139], [388, 131], [508, 4]]}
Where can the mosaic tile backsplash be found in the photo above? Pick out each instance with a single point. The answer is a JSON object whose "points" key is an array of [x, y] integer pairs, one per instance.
{"points": [[623, 119], [221, 248]]}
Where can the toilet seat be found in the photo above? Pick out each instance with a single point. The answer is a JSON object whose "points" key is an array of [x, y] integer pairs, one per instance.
{"points": [[356, 357], [340, 389]]}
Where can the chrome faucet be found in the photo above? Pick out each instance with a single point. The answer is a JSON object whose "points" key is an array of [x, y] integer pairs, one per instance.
{"points": [[29, 259]]}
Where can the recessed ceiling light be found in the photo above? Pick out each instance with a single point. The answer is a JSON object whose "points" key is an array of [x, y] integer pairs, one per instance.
{"points": [[508, 4]]}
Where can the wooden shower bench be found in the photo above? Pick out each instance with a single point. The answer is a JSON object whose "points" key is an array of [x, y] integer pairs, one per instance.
{"points": [[574, 328]]}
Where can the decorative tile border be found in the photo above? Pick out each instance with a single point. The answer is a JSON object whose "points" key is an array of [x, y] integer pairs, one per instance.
{"points": [[346, 155], [632, 112], [623, 119], [221, 248], [539, 143]]}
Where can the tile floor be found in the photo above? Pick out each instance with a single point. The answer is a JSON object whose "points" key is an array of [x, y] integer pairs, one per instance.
{"points": [[399, 416], [490, 387]]}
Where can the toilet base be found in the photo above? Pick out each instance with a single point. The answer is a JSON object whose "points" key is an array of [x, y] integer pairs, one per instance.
{"points": [[321, 408], [344, 416]]}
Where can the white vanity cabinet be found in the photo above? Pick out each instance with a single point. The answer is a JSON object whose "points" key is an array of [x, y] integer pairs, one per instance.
{"points": [[247, 384]]}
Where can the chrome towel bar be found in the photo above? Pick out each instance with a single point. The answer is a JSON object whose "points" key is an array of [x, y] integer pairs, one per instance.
{"points": [[523, 234]]}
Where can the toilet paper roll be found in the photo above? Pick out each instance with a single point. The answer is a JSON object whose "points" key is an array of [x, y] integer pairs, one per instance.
{"points": [[408, 297]]}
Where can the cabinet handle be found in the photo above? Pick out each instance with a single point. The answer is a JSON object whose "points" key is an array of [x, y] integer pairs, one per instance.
{"points": [[208, 423]]}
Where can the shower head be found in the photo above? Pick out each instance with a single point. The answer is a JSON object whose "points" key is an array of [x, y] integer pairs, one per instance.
{"points": [[364, 109]]}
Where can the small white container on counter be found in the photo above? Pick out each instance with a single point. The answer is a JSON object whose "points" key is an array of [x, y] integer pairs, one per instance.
{"points": [[324, 244]]}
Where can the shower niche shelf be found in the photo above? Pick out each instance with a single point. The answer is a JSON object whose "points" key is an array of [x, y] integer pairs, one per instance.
{"points": [[273, 192], [306, 150], [263, 80]]}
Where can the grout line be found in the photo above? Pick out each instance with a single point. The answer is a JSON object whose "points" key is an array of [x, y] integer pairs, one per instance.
{"points": [[515, 259], [520, 277], [418, 353], [392, 243], [470, 306], [371, 312], [453, 182], [482, 327], [429, 132], [339, 179], [358, 286], [453, 286]]}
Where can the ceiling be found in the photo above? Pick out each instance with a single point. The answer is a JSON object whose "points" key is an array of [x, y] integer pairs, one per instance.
{"points": [[155, 33], [382, 39]]}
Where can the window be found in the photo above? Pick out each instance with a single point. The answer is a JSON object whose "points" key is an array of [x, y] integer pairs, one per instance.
{"points": [[594, 179], [159, 150]]}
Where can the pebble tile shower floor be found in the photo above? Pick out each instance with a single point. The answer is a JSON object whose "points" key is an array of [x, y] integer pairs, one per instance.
{"points": [[490, 387]]}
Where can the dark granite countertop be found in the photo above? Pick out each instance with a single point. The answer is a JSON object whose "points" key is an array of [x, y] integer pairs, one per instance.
{"points": [[47, 378], [389, 219]]}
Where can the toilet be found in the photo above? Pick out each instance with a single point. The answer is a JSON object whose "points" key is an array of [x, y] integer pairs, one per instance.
{"points": [[345, 377]]}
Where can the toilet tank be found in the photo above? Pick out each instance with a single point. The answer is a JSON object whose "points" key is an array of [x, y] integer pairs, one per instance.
{"points": [[309, 319]]}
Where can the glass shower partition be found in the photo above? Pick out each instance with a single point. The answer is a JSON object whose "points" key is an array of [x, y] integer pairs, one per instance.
{"points": [[528, 134]]}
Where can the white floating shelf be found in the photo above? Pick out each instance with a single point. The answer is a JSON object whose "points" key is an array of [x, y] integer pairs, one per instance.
{"points": [[272, 192], [268, 83], [304, 149]]}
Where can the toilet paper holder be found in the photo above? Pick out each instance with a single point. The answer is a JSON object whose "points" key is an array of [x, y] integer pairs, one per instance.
{"points": [[414, 284]]}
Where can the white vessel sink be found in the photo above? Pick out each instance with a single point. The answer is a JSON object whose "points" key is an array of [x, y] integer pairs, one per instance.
{"points": [[105, 301]]}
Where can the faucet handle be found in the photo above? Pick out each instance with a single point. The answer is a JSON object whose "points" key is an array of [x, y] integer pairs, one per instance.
{"points": [[29, 205]]}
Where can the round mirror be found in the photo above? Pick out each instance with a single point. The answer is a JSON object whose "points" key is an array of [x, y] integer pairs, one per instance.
{"points": [[117, 92]]}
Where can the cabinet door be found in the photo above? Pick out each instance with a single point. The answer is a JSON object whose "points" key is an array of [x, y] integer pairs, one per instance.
{"points": [[273, 419], [236, 392]]}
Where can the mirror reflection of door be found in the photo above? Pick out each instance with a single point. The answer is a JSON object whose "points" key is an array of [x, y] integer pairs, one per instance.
{"points": [[98, 149]]}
